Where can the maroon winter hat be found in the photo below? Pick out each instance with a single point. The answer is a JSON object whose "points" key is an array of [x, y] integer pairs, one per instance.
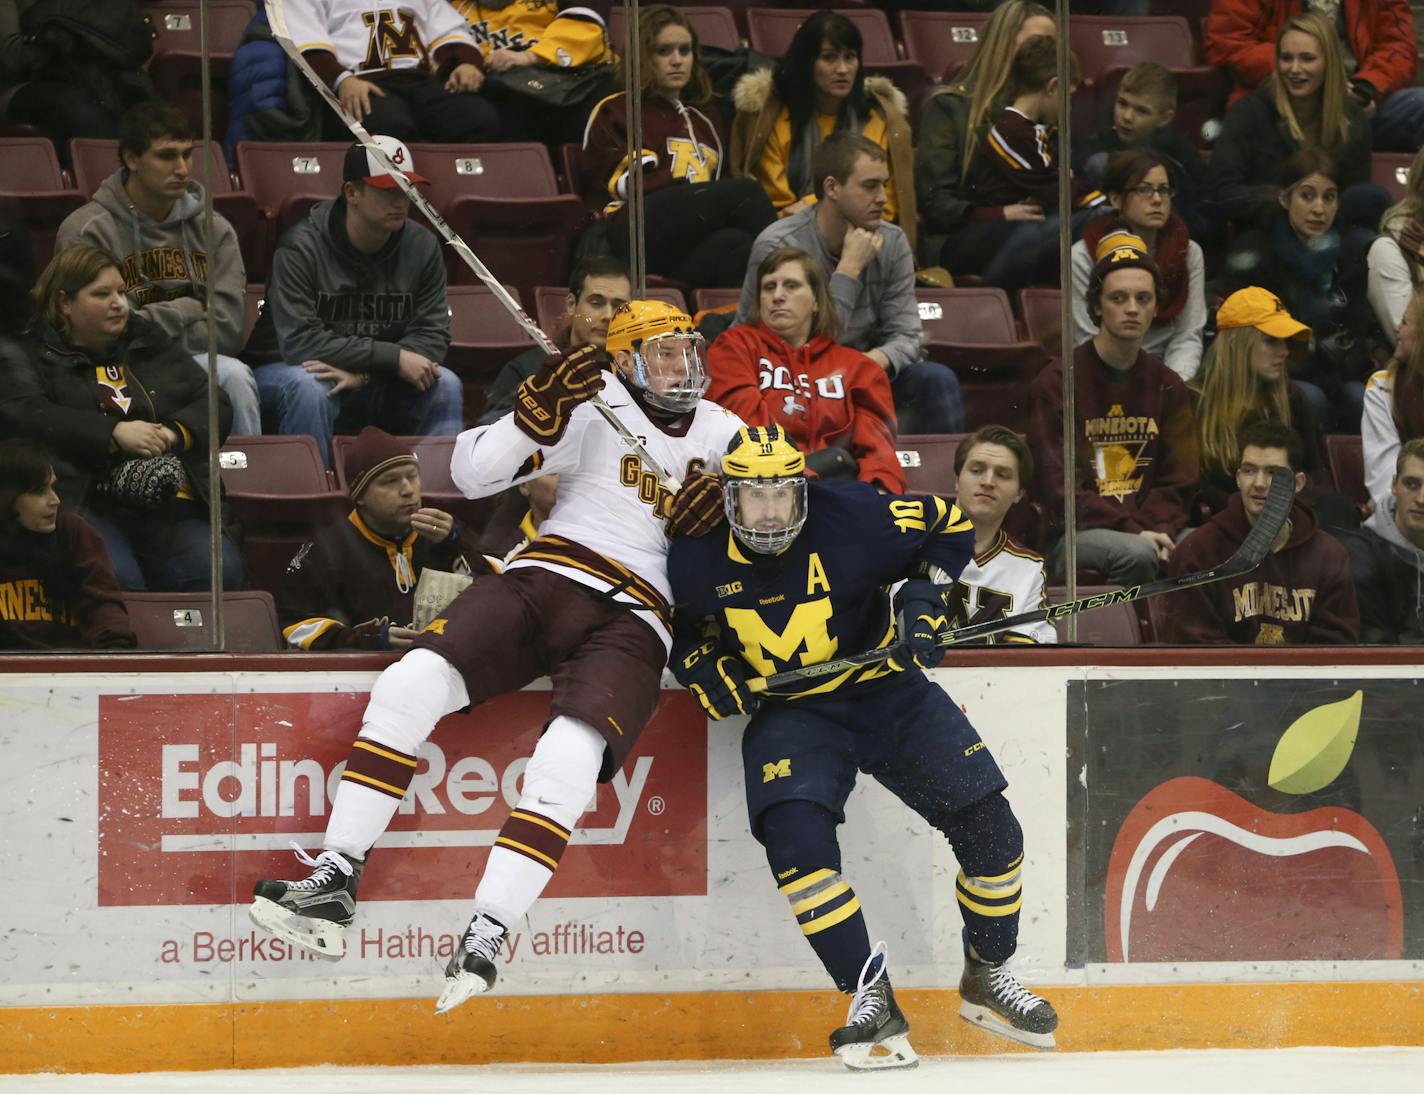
{"points": [[373, 451]]}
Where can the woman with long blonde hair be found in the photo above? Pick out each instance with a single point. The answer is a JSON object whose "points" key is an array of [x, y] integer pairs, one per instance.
{"points": [[958, 115], [1304, 103], [1394, 402], [1243, 379], [1396, 260]]}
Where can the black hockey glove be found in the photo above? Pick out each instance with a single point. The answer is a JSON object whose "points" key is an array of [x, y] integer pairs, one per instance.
{"points": [[717, 680], [920, 608], [545, 401]]}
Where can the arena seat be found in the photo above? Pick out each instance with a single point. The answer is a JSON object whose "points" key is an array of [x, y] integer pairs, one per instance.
{"points": [[770, 30], [483, 333], [740, 8], [714, 25], [437, 488], [285, 180], [941, 42], [1042, 315], [981, 315], [176, 67], [1391, 170], [1345, 454], [95, 160], [183, 621], [1111, 41], [36, 188], [928, 461], [1114, 626], [518, 169], [711, 299], [549, 303]]}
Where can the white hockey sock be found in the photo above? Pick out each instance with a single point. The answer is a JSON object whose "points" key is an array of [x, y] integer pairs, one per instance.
{"points": [[407, 699], [559, 785]]}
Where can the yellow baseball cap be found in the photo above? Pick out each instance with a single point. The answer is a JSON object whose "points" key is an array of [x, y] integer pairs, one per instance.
{"points": [[1255, 307]]}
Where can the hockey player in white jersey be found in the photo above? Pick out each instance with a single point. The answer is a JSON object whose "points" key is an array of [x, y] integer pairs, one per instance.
{"points": [[1003, 578], [586, 603]]}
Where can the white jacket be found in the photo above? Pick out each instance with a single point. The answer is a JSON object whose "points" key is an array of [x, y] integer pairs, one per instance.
{"points": [[1380, 437]]}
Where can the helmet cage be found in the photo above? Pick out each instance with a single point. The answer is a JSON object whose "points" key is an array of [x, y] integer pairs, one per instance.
{"points": [[653, 356], [764, 540]]}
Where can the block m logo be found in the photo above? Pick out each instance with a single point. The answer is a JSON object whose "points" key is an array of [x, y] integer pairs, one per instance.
{"points": [[781, 769]]}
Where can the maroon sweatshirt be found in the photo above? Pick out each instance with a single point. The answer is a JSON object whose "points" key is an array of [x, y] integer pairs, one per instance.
{"points": [[1301, 595], [1137, 466], [96, 620], [681, 144]]}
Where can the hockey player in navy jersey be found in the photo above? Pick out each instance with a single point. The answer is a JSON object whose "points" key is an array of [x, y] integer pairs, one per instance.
{"points": [[796, 577]]}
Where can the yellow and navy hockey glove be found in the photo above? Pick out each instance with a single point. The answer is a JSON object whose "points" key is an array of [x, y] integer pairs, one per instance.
{"points": [[717, 680], [544, 403], [924, 617]]}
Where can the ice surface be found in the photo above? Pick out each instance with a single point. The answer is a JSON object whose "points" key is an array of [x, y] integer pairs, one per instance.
{"points": [[1297, 1070]]}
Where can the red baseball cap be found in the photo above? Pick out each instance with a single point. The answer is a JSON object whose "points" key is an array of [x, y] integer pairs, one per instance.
{"points": [[362, 166]]}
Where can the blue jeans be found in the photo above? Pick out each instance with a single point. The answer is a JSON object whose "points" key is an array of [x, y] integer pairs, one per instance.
{"points": [[927, 399], [1343, 413], [300, 403], [164, 552], [237, 380], [1399, 121]]}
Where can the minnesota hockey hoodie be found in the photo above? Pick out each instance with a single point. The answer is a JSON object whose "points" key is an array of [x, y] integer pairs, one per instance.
{"points": [[164, 263]]}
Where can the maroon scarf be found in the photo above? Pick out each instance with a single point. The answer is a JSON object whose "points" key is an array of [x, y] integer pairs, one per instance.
{"points": [[1170, 256]]}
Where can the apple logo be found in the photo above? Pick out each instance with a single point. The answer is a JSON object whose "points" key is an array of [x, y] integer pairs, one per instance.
{"points": [[1198, 873]]}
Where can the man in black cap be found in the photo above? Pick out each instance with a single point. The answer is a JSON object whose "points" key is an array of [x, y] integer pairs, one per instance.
{"points": [[353, 586], [356, 322]]}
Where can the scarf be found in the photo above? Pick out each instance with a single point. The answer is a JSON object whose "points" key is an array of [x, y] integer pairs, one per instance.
{"points": [[1310, 272], [1170, 254], [806, 138]]}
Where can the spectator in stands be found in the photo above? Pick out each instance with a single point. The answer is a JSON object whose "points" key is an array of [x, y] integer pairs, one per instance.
{"points": [[517, 520], [1244, 380], [149, 213], [817, 88], [991, 467], [1136, 435], [1387, 558], [957, 117], [125, 410], [1298, 255], [356, 321], [598, 288], [1396, 258], [1300, 595], [1143, 111], [413, 74], [871, 272], [784, 367], [699, 225], [1394, 403], [1017, 165], [1376, 42], [57, 587], [353, 585], [70, 70], [1140, 189], [1302, 103]]}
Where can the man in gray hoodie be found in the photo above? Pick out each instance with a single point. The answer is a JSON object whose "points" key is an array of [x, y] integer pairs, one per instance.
{"points": [[149, 215], [356, 322], [1387, 558]]}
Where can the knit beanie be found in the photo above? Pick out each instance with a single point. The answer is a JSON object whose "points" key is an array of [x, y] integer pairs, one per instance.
{"points": [[372, 452]]}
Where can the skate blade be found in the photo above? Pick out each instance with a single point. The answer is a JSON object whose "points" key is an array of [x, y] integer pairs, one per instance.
{"points": [[458, 989], [990, 1022], [318, 936], [898, 1053]]}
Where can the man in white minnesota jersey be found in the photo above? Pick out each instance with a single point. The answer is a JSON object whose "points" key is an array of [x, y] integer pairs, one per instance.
{"points": [[406, 68], [586, 603], [990, 466]]}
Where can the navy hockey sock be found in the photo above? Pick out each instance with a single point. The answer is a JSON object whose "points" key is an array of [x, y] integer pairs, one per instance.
{"points": [[988, 842]]}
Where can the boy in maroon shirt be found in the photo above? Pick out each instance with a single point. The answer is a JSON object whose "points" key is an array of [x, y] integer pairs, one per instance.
{"points": [[1302, 594]]}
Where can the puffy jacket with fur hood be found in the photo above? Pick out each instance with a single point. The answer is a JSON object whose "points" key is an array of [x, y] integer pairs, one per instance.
{"points": [[762, 121]]}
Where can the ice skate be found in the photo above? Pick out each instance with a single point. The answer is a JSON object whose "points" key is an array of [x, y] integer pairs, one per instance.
{"points": [[471, 971], [994, 999], [874, 1021], [313, 913]]}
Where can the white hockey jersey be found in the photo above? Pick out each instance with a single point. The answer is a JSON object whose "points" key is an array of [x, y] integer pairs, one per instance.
{"points": [[367, 36], [606, 529], [1005, 580]]}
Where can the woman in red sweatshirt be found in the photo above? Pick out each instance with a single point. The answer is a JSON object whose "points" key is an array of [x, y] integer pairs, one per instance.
{"points": [[700, 226], [784, 368], [57, 588]]}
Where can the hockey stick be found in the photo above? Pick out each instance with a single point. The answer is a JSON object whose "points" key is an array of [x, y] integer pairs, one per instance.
{"points": [[1246, 558], [277, 20]]}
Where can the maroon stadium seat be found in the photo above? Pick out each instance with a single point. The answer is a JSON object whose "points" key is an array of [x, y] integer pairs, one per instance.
{"points": [[1041, 309], [928, 461], [183, 621], [176, 65], [770, 31], [1115, 626], [95, 160], [941, 42], [514, 170], [966, 315], [286, 180], [712, 299], [1391, 170], [714, 26], [35, 187], [483, 333], [1345, 454], [437, 488], [1110, 41]]}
